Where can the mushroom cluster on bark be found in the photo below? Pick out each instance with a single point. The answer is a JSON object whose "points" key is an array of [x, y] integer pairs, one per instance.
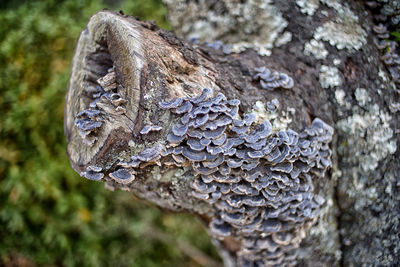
{"points": [[199, 126]]}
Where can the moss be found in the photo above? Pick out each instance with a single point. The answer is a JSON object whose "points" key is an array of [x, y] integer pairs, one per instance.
{"points": [[49, 215]]}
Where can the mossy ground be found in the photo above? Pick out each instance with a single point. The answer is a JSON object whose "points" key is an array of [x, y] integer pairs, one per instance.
{"points": [[48, 214]]}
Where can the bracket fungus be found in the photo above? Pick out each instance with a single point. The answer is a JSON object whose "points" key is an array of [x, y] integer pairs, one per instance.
{"points": [[271, 80], [388, 50], [150, 128], [259, 181]]}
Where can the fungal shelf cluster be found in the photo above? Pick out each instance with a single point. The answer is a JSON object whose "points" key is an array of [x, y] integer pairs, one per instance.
{"points": [[270, 80], [390, 58], [258, 181], [106, 98]]}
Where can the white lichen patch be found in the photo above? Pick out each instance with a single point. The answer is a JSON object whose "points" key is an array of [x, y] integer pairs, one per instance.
{"points": [[279, 121], [362, 96], [336, 62], [285, 38], [251, 24], [308, 7], [329, 77], [335, 4], [344, 32], [340, 97], [315, 48], [369, 137]]}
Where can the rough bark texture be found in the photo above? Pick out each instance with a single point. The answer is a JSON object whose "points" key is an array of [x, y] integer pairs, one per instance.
{"points": [[329, 50]]}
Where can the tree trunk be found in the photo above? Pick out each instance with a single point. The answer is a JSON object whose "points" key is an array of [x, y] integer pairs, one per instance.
{"points": [[122, 130]]}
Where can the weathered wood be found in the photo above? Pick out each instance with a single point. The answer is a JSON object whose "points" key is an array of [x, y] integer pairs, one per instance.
{"points": [[152, 65]]}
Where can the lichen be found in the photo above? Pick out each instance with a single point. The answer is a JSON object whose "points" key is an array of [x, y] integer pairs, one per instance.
{"points": [[344, 32], [329, 77], [367, 192], [340, 96], [315, 48], [362, 96], [336, 62], [271, 80], [230, 21], [285, 38], [383, 75], [279, 120], [369, 136], [308, 7]]}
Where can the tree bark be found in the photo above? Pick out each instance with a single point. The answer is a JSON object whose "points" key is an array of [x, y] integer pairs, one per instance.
{"points": [[338, 77]]}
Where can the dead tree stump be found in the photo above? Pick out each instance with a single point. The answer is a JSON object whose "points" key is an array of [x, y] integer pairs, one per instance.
{"points": [[239, 139]]}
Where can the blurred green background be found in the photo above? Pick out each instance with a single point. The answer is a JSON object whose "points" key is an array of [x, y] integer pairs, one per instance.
{"points": [[49, 216]]}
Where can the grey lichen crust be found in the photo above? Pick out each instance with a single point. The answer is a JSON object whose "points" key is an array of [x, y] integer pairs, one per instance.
{"points": [[371, 135], [259, 182], [345, 31], [308, 6], [329, 77], [231, 21], [315, 48], [370, 184]]}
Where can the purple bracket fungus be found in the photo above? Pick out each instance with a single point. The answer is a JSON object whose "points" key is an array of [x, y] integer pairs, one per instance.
{"points": [[171, 104], [149, 128], [271, 80], [272, 105], [258, 181], [219, 45], [122, 176], [388, 50], [88, 122], [106, 96], [93, 173]]}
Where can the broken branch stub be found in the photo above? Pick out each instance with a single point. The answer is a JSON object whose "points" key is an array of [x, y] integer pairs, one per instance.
{"points": [[146, 112]]}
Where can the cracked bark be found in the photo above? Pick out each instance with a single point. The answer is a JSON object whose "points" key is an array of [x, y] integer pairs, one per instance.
{"points": [[360, 220]]}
